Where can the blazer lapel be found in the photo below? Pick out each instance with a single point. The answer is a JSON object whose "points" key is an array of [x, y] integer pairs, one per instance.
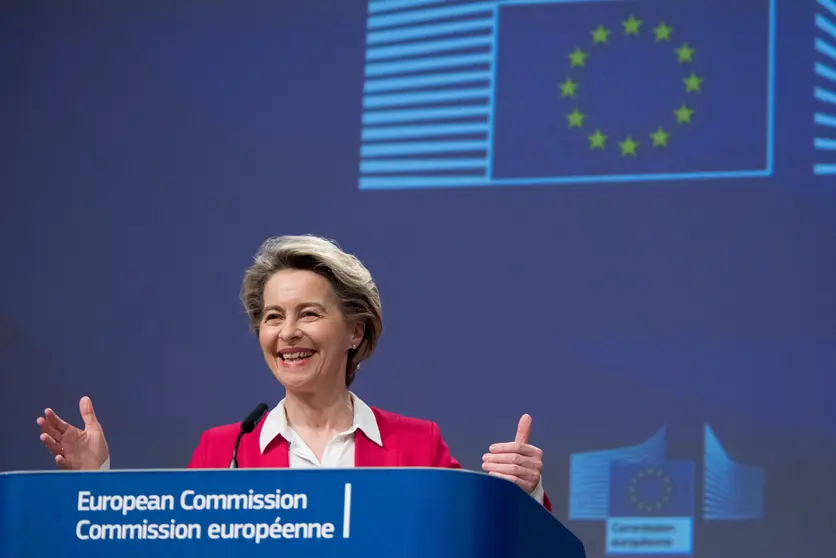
{"points": [[369, 454], [276, 454]]}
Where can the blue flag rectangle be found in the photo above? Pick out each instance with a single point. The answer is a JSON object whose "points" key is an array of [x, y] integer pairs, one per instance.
{"points": [[664, 489], [639, 88]]}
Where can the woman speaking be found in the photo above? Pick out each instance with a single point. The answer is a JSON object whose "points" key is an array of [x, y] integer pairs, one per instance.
{"points": [[317, 314]]}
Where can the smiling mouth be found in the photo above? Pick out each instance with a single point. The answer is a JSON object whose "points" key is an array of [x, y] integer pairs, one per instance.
{"points": [[297, 356]]}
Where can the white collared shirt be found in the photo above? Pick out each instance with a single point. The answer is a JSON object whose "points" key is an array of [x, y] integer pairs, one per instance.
{"points": [[339, 453]]}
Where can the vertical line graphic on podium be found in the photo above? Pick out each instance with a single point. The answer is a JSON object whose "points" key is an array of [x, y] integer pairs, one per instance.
{"points": [[825, 89], [347, 511], [462, 93]]}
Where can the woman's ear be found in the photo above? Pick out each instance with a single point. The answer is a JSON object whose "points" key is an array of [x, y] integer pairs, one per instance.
{"points": [[357, 334]]}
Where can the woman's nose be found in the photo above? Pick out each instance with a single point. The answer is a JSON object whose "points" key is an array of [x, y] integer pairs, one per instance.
{"points": [[290, 331]]}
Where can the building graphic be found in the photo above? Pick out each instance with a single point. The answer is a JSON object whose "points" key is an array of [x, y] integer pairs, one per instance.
{"points": [[648, 503]]}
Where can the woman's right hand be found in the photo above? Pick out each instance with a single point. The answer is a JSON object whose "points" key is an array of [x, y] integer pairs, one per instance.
{"points": [[74, 448]]}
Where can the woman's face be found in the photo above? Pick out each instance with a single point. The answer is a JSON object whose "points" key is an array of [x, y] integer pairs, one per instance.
{"points": [[303, 334]]}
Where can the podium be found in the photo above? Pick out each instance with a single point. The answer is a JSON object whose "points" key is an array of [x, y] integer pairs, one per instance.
{"points": [[362, 512]]}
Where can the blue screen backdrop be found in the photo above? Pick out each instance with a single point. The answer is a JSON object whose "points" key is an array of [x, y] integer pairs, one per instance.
{"points": [[617, 216]]}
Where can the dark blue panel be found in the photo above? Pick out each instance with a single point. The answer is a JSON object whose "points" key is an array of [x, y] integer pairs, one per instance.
{"points": [[672, 87]]}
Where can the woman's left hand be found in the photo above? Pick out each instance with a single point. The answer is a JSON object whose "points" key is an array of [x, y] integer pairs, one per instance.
{"points": [[517, 461]]}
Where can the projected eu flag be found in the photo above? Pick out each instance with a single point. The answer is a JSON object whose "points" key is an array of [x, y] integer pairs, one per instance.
{"points": [[631, 89], [651, 508], [515, 92], [651, 490]]}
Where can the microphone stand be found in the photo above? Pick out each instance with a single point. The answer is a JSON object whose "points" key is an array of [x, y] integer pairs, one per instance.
{"points": [[247, 426]]}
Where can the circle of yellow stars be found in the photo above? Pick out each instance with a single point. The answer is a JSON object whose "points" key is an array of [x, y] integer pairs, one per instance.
{"points": [[650, 475], [601, 36]]}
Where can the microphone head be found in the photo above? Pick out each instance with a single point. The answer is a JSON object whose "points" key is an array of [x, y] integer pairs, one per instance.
{"points": [[252, 419]]}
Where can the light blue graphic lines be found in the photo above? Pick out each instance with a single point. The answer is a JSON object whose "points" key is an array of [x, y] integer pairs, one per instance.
{"points": [[731, 491], [825, 89], [589, 475], [426, 104]]}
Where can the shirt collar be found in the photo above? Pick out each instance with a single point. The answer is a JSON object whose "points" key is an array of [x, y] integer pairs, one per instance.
{"points": [[276, 424]]}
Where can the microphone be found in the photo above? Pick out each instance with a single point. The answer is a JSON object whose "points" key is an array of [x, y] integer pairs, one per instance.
{"points": [[247, 426]]}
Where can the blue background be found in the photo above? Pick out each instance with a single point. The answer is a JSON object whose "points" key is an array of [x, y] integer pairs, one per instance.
{"points": [[149, 147]]}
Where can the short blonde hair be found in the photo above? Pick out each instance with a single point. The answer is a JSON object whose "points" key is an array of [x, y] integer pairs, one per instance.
{"points": [[353, 285]]}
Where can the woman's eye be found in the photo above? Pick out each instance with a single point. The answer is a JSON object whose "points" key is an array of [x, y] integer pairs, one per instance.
{"points": [[309, 314]]}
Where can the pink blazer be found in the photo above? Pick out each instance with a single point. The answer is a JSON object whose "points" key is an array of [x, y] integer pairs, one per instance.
{"points": [[407, 442]]}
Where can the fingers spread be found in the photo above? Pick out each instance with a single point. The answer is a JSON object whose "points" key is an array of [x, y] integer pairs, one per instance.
{"points": [[50, 443], [55, 421], [48, 429], [514, 447]]}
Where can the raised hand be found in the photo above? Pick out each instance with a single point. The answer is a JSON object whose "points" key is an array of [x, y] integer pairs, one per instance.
{"points": [[517, 461], [74, 448]]}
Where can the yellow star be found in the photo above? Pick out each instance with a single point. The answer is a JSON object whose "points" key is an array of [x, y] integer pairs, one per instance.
{"points": [[575, 118], [683, 114], [686, 53], [663, 32], [600, 35], [660, 137], [628, 147], [631, 26], [693, 83], [568, 88], [597, 140], [578, 57]]}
